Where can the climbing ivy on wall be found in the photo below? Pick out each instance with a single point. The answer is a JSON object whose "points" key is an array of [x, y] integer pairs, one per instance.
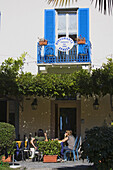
{"points": [[54, 85], [17, 83]]}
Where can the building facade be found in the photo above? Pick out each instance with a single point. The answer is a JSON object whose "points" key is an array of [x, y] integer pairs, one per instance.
{"points": [[64, 27]]}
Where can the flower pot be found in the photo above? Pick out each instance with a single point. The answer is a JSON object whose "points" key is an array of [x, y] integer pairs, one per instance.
{"points": [[81, 42], [50, 158], [43, 42], [7, 159]]}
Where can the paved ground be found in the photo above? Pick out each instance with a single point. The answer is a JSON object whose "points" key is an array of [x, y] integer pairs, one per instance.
{"points": [[69, 165]]}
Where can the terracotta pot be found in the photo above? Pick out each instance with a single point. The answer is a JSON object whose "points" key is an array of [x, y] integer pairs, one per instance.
{"points": [[43, 42], [50, 158], [81, 42], [7, 159]]}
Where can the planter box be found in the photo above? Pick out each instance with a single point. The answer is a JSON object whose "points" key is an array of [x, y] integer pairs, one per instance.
{"points": [[81, 42], [43, 42], [7, 159], [50, 158]]}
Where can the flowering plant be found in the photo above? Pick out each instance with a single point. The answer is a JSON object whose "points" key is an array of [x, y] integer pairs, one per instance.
{"points": [[81, 40], [42, 41]]}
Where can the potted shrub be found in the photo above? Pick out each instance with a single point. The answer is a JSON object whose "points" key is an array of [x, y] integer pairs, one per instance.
{"points": [[81, 40], [50, 150], [7, 141], [98, 147], [3, 165], [42, 41]]}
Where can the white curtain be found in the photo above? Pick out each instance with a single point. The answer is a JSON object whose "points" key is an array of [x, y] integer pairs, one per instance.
{"points": [[62, 23], [72, 26]]}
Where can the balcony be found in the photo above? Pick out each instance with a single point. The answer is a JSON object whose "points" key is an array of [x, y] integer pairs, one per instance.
{"points": [[78, 54]]}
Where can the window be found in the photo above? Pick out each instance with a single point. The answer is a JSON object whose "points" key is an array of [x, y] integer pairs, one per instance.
{"points": [[67, 24], [12, 112], [67, 27]]}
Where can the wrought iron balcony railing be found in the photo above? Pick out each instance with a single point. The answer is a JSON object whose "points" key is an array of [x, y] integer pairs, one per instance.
{"points": [[79, 53]]}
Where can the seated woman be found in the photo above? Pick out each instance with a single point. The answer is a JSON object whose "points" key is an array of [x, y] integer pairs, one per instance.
{"points": [[41, 137], [70, 139]]}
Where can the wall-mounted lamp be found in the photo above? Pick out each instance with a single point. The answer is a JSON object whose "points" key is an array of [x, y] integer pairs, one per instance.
{"points": [[34, 104], [96, 104]]}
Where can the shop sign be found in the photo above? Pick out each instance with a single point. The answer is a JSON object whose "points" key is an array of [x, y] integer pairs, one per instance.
{"points": [[64, 44]]}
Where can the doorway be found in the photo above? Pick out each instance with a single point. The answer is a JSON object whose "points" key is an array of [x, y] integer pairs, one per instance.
{"points": [[9, 113], [67, 121], [66, 115], [3, 111]]}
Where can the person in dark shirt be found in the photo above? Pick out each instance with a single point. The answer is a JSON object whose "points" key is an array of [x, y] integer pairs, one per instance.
{"points": [[41, 137]]}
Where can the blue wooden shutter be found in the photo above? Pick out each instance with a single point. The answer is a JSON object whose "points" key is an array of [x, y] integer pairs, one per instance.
{"points": [[83, 24], [49, 27]]}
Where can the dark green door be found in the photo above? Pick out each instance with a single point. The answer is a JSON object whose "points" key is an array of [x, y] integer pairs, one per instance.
{"points": [[67, 121]]}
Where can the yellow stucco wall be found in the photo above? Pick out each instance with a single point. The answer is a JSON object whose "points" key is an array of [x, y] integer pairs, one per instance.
{"points": [[32, 120], [91, 117]]}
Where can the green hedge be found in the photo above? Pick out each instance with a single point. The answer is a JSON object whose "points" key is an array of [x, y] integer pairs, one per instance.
{"points": [[7, 138]]}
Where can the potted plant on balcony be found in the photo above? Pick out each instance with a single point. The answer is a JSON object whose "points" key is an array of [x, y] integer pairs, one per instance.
{"points": [[81, 40], [42, 41], [50, 150]]}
